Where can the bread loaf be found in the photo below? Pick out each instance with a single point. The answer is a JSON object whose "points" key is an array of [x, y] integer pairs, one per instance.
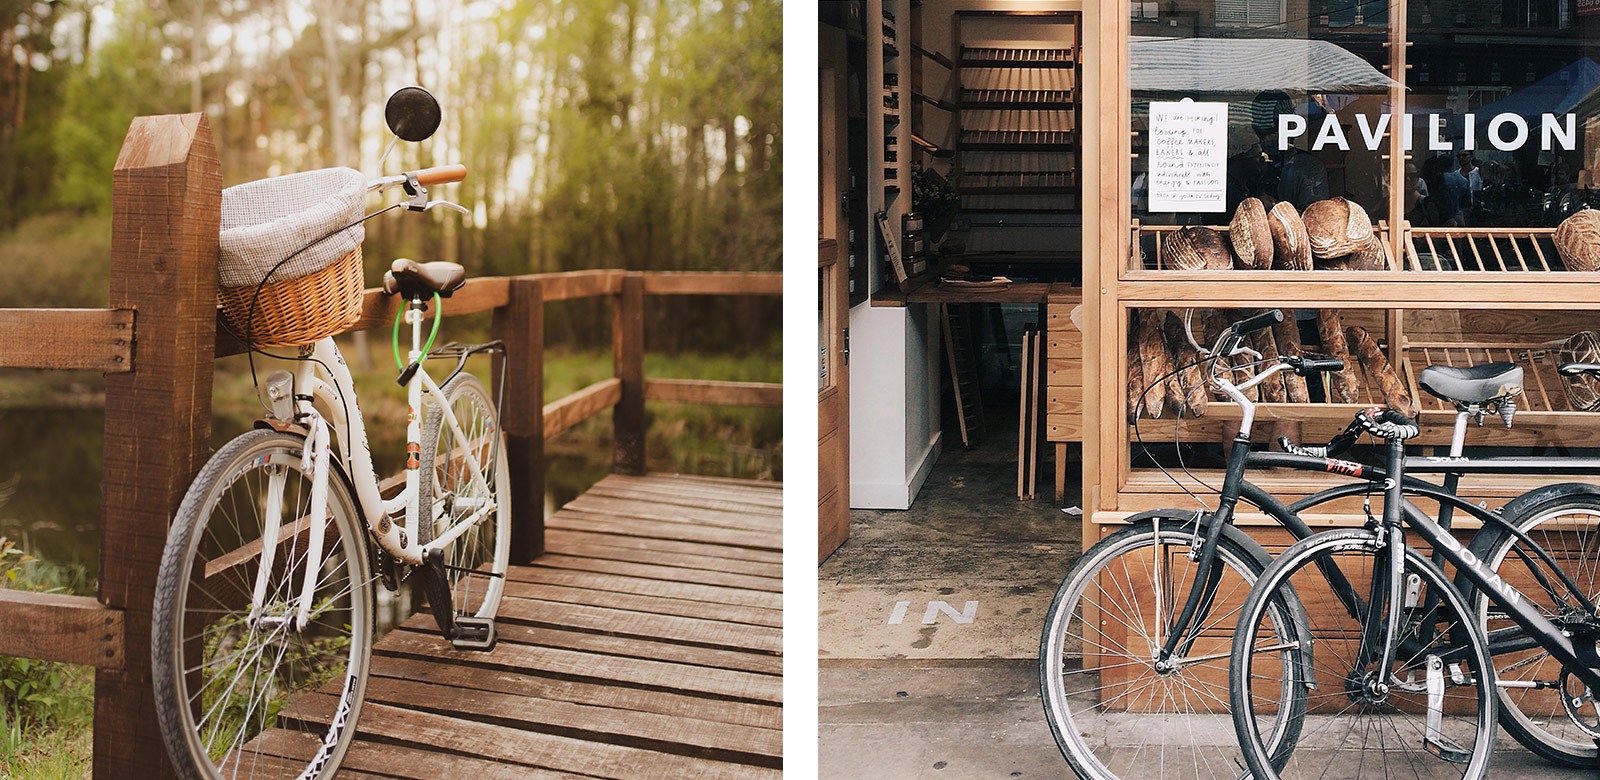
{"points": [[1336, 227], [1196, 248], [1262, 341], [1287, 335], [1291, 249], [1346, 383], [1155, 360], [1183, 353], [1250, 235], [1379, 372], [1370, 257], [1583, 390], [1577, 240]]}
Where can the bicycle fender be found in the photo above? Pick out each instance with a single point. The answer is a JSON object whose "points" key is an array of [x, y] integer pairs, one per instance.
{"points": [[1186, 516]]}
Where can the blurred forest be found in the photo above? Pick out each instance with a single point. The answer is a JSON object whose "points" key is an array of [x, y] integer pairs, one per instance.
{"points": [[639, 134]]}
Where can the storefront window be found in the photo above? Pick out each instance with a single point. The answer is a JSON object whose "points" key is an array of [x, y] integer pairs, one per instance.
{"points": [[1295, 99], [1486, 141]]}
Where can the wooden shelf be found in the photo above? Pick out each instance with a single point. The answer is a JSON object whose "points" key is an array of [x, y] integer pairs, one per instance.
{"points": [[998, 57], [1057, 99]]}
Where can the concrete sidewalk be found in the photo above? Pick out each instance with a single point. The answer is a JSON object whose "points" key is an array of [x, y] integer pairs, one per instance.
{"points": [[950, 720]]}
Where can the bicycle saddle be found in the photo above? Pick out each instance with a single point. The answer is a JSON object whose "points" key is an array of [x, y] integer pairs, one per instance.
{"points": [[414, 279], [1474, 384]]}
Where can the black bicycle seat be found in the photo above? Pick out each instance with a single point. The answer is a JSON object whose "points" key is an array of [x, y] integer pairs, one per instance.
{"points": [[1474, 384], [414, 279]]}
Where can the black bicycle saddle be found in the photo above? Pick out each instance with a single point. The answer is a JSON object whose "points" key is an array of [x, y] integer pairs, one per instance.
{"points": [[414, 279], [1474, 384]]}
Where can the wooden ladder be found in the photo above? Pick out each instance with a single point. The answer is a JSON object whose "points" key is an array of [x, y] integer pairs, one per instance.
{"points": [[963, 371]]}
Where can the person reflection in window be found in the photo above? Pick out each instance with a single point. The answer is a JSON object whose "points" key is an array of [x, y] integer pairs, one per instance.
{"points": [[1300, 177], [1449, 195]]}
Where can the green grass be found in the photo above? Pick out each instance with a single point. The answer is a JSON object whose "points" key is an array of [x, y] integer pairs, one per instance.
{"points": [[68, 257], [46, 708]]}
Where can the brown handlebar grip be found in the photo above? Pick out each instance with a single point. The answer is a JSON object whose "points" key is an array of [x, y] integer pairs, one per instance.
{"points": [[443, 174]]}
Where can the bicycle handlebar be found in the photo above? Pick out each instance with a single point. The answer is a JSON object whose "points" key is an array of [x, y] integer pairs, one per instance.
{"points": [[1309, 366], [1574, 369], [441, 174], [1265, 319]]}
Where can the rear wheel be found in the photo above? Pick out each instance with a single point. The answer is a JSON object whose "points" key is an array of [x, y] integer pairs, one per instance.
{"points": [[1568, 528], [1114, 712], [256, 692], [476, 560]]}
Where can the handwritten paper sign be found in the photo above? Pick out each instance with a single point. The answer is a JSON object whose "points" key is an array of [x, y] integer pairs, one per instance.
{"points": [[1188, 156]]}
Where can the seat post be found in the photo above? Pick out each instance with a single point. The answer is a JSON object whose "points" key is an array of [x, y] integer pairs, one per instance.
{"points": [[414, 317]]}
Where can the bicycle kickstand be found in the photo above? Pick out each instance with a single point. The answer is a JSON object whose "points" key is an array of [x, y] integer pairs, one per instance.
{"points": [[465, 632]]}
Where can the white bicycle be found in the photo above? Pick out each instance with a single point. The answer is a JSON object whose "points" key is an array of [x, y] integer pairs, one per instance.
{"points": [[264, 611]]}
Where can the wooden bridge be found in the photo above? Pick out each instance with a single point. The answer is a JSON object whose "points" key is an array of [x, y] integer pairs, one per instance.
{"points": [[640, 633]]}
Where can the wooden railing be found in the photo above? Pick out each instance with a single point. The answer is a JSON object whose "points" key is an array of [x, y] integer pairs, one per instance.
{"points": [[157, 343]]}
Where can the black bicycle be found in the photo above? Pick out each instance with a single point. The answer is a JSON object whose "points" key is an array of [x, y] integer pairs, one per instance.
{"points": [[1131, 664], [1396, 662]]}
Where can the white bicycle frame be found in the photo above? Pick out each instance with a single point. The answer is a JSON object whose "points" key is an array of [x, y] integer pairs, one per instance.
{"points": [[323, 403]]}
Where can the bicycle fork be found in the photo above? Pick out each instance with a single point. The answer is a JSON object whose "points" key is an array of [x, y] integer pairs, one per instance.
{"points": [[314, 461]]}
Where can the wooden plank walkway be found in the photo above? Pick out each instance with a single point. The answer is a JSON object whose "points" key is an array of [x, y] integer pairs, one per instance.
{"points": [[646, 642]]}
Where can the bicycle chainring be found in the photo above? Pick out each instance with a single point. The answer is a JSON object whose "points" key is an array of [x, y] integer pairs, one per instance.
{"points": [[1580, 704]]}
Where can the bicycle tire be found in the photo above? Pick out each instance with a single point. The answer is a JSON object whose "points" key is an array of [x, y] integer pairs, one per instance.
{"points": [[1343, 719], [489, 541], [1535, 717], [194, 645], [1086, 723]]}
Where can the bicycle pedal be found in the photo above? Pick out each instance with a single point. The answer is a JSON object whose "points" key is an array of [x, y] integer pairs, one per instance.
{"points": [[474, 633], [1447, 750]]}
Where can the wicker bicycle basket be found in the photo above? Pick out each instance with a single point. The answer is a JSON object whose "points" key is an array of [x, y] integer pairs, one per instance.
{"points": [[288, 275]]}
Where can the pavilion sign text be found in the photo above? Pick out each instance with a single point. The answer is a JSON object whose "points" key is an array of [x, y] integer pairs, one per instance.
{"points": [[1506, 132]]}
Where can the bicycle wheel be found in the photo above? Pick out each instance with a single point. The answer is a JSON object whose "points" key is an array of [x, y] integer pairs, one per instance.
{"points": [[1568, 528], [1113, 713], [1430, 715], [243, 692], [449, 489]]}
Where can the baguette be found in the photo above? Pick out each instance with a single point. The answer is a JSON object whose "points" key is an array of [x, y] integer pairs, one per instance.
{"points": [[1379, 373], [1212, 324], [1262, 341], [1155, 360], [1135, 379], [1194, 382], [1287, 336], [1346, 383]]}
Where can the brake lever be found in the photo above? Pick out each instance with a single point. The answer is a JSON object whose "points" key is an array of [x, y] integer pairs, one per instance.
{"points": [[446, 204]]}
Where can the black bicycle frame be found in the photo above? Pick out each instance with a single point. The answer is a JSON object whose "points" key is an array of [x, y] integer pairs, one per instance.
{"points": [[1536, 629]]}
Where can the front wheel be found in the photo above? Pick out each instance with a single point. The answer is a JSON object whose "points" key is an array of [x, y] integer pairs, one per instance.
{"points": [[237, 665], [1115, 712], [451, 491], [1429, 715]]}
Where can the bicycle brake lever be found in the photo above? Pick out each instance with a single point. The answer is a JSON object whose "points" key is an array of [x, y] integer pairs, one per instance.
{"points": [[446, 204]]}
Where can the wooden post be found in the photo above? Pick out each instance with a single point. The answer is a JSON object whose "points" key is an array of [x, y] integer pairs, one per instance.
{"points": [[521, 325], [627, 357], [166, 199]]}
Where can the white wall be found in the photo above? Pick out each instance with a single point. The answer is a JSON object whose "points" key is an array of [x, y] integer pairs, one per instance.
{"points": [[894, 403]]}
